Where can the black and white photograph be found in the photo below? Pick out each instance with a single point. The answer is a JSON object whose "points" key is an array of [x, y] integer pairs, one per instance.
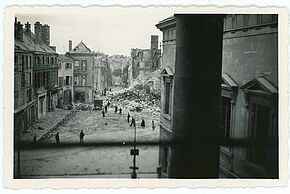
{"points": [[145, 93]]}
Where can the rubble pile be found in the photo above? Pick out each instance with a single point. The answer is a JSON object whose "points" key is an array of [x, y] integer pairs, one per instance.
{"points": [[144, 94]]}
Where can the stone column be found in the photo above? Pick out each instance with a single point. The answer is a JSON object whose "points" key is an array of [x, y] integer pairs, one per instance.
{"points": [[197, 91]]}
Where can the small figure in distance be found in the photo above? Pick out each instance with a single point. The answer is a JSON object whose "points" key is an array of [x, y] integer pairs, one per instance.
{"points": [[34, 139], [143, 123], [153, 125], [82, 134], [57, 138], [133, 123], [128, 117], [120, 111]]}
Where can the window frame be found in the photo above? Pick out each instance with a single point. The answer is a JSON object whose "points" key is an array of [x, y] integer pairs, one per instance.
{"points": [[229, 89]]}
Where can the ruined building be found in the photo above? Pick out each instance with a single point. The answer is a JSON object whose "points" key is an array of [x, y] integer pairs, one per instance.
{"points": [[118, 65], [144, 60], [102, 73]]}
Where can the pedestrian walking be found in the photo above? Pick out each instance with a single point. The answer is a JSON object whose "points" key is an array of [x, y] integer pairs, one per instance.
{"points": [[133, 123], [142, 123], [153, 125], [116, 109], [103, 113], [34, 139], [128, 117], [120, 111], [108, 104], [57, 138], [82, 134], [106, 109]]}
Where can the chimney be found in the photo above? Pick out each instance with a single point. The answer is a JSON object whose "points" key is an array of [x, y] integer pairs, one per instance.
{"points": [[69, 45], [45, 34], [15, 28], [27, 30], [154, 42], [37, 31], [18, 30]]}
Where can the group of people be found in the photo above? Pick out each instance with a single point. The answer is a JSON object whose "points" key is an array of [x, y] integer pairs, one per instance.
{"points": [[133, 122], [104, 111], [81, 136]]}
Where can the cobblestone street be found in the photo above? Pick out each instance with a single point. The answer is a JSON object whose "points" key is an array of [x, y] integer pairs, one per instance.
{"points": [[92, 160]]}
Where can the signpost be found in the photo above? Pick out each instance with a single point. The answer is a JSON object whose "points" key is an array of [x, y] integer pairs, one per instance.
{"points": [[134, 152]]}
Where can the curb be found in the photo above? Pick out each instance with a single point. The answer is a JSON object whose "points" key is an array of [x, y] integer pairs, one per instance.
{"points": [[62, 122]]}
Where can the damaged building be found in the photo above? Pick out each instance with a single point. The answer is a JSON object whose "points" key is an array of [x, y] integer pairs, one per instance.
{"points": [[144, 60]]}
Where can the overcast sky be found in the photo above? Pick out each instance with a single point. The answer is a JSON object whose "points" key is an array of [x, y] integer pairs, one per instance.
{"points": [[110, 30]]}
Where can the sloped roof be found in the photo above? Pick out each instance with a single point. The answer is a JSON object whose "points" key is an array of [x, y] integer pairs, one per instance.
{"points": [[260, 85], [31, 44], [81, 48], [228, 81], [167, 71]]}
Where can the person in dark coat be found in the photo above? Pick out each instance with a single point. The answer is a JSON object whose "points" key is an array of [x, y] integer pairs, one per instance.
{"points": [[128, 117], [108, 104], [120, 111], [142, 123], [133, 123], [82, 134], [103, 113], [153, 126], [57, 138], [116, 109], [106, 109]]}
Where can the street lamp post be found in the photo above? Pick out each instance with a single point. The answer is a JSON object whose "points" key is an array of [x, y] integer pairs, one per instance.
{"points": [[134, 152]]}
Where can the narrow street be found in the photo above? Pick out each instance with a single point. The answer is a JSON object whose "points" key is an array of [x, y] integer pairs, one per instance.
{"points": [[82, 161]]}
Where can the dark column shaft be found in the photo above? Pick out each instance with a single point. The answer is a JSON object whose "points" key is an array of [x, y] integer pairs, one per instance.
{"points": [[197, 86]]}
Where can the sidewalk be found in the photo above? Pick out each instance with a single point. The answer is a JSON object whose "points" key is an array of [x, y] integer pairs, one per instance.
{"points": [[49, 122]]}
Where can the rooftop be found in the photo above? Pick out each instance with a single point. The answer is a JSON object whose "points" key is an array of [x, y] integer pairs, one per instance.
{"points": [[80, 48], [31, 44]]}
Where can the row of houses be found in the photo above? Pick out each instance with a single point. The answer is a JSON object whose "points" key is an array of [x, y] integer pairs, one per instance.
{"points": [[246, 47], [45, 80], [35, 74]]}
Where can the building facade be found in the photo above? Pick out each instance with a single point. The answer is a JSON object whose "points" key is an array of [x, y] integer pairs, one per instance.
{"points": [[45, 69], [65, 81], [249, 93], [35, 74], [117, 64], [102, 72], [249, 107], [144, 60], [168, 27], [25, 103], [83, 72]]}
